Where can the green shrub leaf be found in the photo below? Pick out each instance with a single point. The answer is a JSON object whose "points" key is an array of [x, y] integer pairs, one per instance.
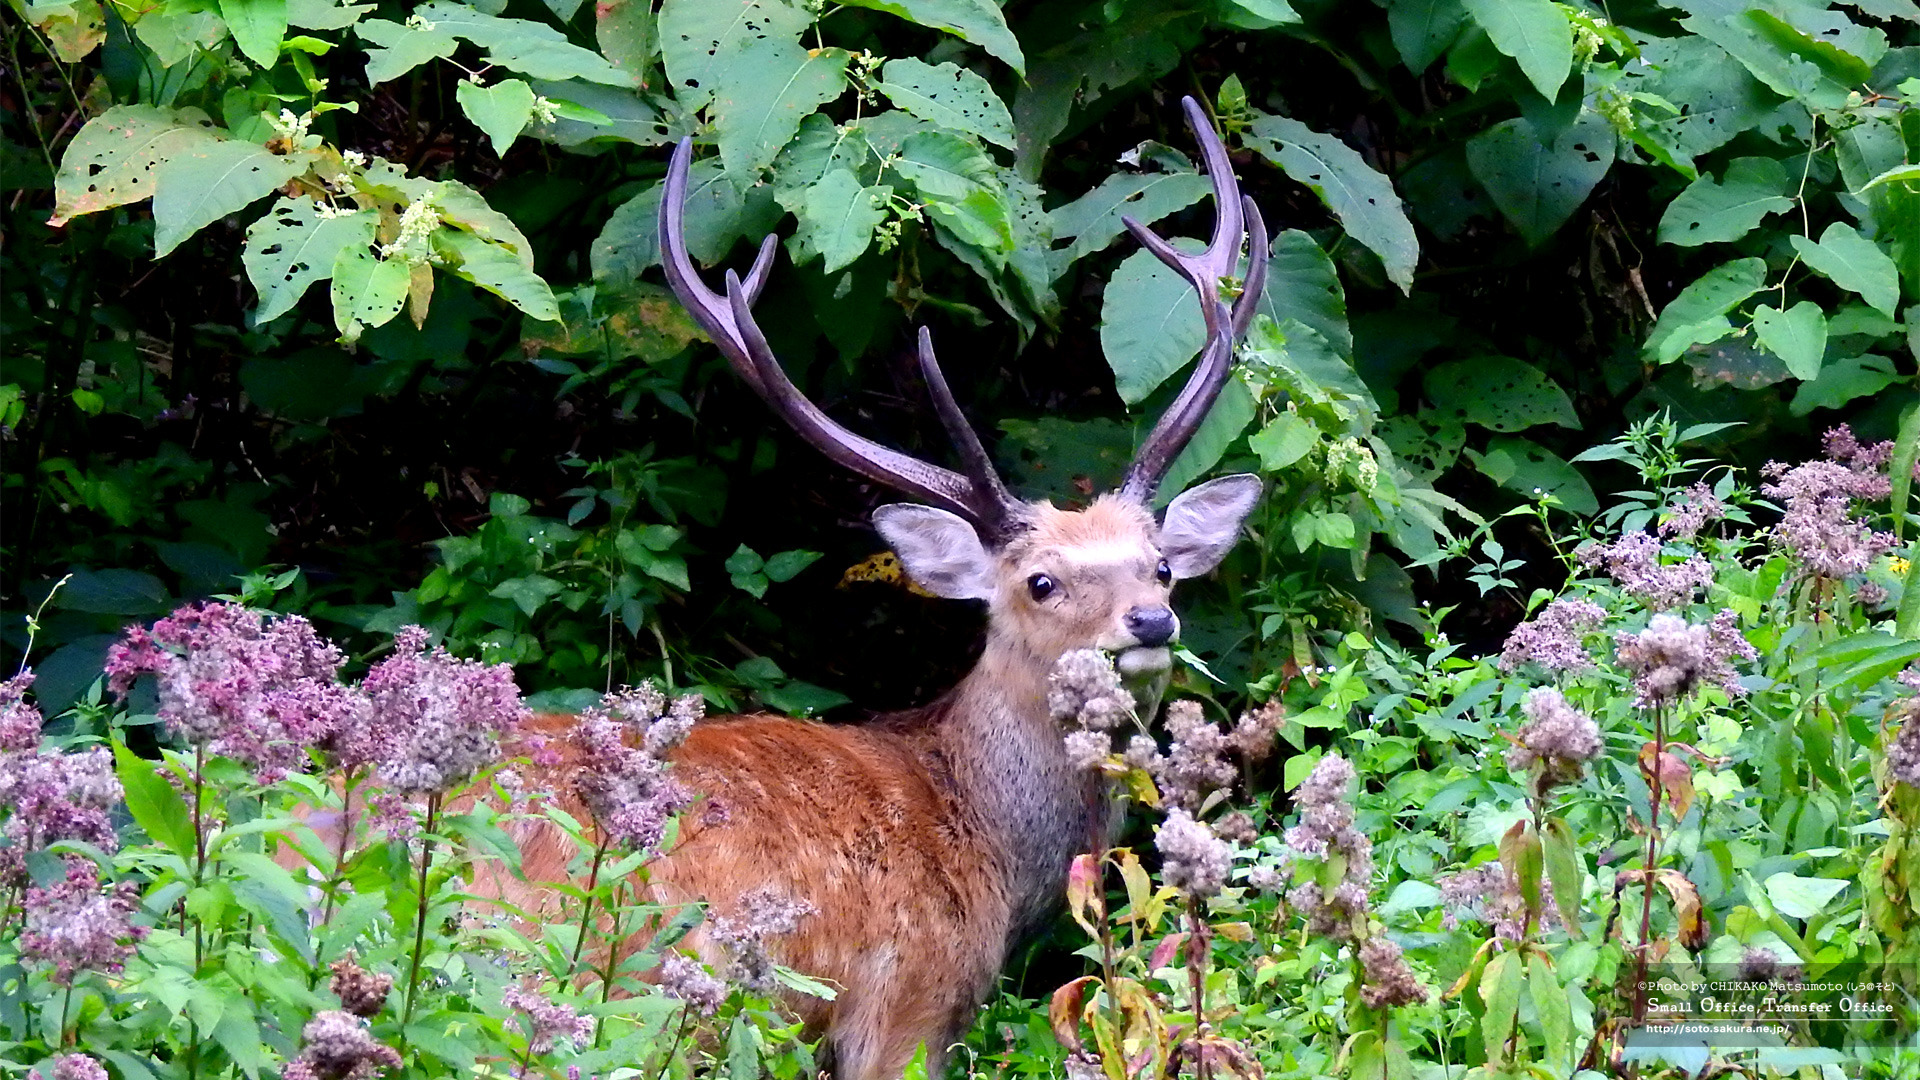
{"points": [[976, 21], [1535, 33], [839, 219], [1798, 336], [1361, 198], [1538, 186], [501, 110], [1499, 393], [1712, 211], [258, 27], [294, 245], [700, 41], [1855, 263], [950, 96], [770, 85]]}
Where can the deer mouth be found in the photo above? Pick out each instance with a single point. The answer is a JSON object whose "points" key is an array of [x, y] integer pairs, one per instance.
{"points": [[1143, 662]]}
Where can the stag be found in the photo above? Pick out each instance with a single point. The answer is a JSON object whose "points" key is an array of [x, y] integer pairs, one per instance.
{"points": [[929, 842]]}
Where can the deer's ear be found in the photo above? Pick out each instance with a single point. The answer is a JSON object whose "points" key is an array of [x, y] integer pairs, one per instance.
{"points": [[941, 552], [1202, 524]]}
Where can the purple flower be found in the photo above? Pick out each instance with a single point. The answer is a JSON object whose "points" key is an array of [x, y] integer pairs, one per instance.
{"points": [[1193, 859], [52, 797], [759, 915], [1553, 638], [1671, 658], [629, 789], [76, 926], [19, 720], [1818, 527], [1084, 689], [451, 711], [1557, 738], [1254, 732], [1903, 753], [545, 1020], [78, 1067], [1326, 831], [1196, 761], [1386, 980], [1489, 894], [338, 1046], [1697, 506], [1634, 562], [1088, 749], [688, 980]]}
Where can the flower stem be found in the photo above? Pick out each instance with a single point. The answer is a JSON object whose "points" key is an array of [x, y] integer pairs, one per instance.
{"points": [[1658, 783], [586, 909], [420, 920], [340, 849], [1197, 976]]}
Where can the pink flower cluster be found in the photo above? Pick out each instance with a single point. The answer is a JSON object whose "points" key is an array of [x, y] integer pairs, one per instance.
{"points": [[1555, 638], [545, 1020], [1672, 658], [1635, 562], [49, 796], [1818, 527], [629, 788], [76, 926], [452, 712]]}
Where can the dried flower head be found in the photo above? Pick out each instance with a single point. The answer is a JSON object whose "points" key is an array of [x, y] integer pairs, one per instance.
{"points": [[761, 914], [545, 1020], [1759, 964], [1671, 658], [1326, 831], [1254, 732], [1554, 638], [1634, 561], [361, 992], [1196, 761], [1555, 743], [1193, 859], [338, 1046], [453, 712], [688, 980], [1386, 980], [1490, 894], [1690, 513], [77, 926], [1085, 690]]}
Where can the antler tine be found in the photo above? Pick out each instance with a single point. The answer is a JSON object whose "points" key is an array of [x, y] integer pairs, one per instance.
{"points": [[707, 307], [1206, 269], [1184, 416], [973, 454]]}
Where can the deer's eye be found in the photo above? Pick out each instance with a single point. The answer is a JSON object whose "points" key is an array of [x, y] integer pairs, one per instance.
{"points": [[1163, 573], [1040, 586]]}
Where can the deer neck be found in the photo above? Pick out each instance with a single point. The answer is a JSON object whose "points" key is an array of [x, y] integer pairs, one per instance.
{"points": [[1010, 768]]}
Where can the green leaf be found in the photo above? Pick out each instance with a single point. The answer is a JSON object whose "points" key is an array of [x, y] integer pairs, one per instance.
{"points": [[976, 21], [1855, 263], [838, 221], [1303, 284], [1286, 439], [207, 180], [1709, 297], [1150, 324], [1798, 336], [1718, 96], [155, 806], [1845, 380], [501, 110], [1833, 61], [258, 27], [1899, 174], [1799, 897], [1093, 220], [1499, 393], [531, 48], [113, 592], [1523, 466], [1500, 986], [1712, 211], [943, 166], [701, 40], [1232, 411], [1535, 33], [982, 220], [1566, 872], [293, 245], [786, 564], [1538, 187], [528, 593], [114, 158], [367, 290], [627, 35], [402, 48], [1555, 1013], [498, 270], [1423, 29], [950, 96], [1360, 197], [769, 86]]}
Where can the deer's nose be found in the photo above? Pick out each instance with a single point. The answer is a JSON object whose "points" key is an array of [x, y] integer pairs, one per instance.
{"points": [[1151, 625]]}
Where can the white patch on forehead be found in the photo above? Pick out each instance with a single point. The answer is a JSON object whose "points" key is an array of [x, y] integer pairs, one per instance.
{"points": [[1105, 553]]}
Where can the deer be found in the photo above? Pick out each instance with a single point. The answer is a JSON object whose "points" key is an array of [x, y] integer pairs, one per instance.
{"points": [[930, 842]]}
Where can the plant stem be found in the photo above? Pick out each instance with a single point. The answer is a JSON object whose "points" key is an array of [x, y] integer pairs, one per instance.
{"points": [[1653, 851], [66, 1010], [686, 1022], [340, 849], [1197, 978], [420, 920], [586, 910]]}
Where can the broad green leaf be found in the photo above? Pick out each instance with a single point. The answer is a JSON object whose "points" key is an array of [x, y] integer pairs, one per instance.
{"points": [[629, 320], [206, 180], [1286, 439], [294, 245], [367, 290], [1232, 411], [531, 48], [839, 219], [114, 158], [1531, 470], [1303, 284], [402, 48], [1553, 1010], [462, 206], [981, 219], [258, 27], [1500, 986], [1535, 33], [769, 86], [1799, 897], [701, 40], [1499, 393], [112, 592], [1707, 299], [1834, 62], [1536, 186], [717, 217], [501, 110], [324, 14], [1899, 174], [1258, 14], [498, 270], [629, 242], [1854, 263], [950, 96], [1711, 211], [1150, 324], [153, 802], [1361, 198], [1093, 220], [1566, 872], [1423, 29], [818, 148], [528, 593], [1844, 380], [976, 21], [943, 166], [1798, 336], [627, 35], [1718, 97], [1782, 70]]}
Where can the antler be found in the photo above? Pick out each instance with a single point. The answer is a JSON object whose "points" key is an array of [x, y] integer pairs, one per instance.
{"points": [[1236, 217], [978, 496]]}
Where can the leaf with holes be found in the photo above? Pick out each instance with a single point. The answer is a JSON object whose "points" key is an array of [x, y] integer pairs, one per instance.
{"points": [[1798, 336], [770, 86], [1536, 186], [1361, 198], [1535, 33], [943, 166], [529, 47], [976, 21], [402, 48], [627, 35], [1854, 263], [367, 291], [1093, 220], [497, 270], [1302, 284], [839, 219], [114, 158], [1499, 393], [207, 180], [293, 246], [1532, 470], [1713, 211], [501, 110], [1150, 324], [1703, 304], [950, 96], [700, 40], [1423, 29], [258, 27]]}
